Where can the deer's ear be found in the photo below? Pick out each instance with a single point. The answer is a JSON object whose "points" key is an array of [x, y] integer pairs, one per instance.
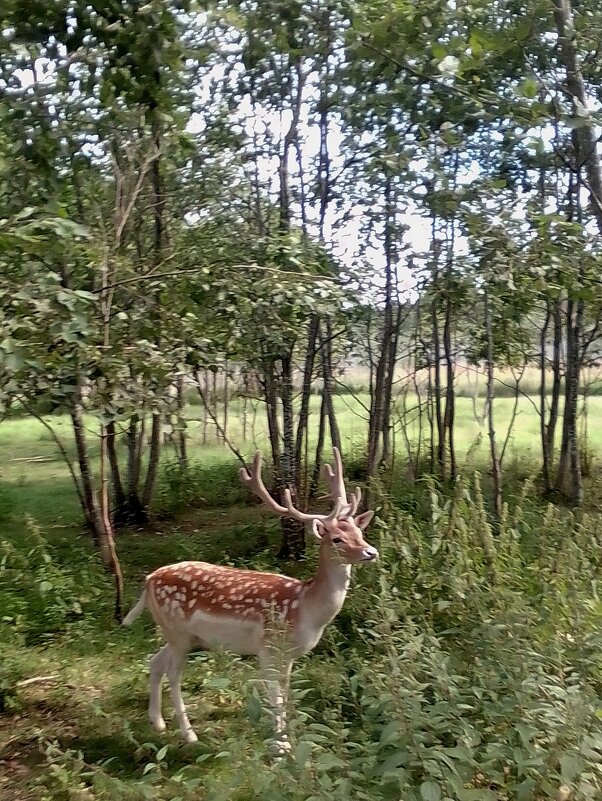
{"points": [[318, 529], [363, 521]]}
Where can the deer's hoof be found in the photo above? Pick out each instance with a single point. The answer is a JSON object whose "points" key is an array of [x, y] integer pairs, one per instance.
{"points": [[190, 737]]}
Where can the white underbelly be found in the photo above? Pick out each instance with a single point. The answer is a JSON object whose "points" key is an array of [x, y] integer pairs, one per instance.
{"points": [[216, 632]]}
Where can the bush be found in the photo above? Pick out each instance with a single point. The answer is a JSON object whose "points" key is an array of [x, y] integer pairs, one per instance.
{"points": [[198, 485], [38, 596], [480, 675]]}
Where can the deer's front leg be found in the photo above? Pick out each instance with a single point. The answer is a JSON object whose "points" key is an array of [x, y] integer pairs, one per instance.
{"points": [[275, 674]]}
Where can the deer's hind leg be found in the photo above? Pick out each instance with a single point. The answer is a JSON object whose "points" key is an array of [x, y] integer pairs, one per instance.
{"points": [[158, 667]]}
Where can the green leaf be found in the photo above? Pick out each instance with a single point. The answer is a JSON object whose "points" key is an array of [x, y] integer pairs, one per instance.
{"points": [[45, 586], [475, 43], [161, 753], [328, 762], [218, 683], [525, 732], [570, 767], [523, 30], [395, 759], [389, 733], [254, 709], [302, 753], [430, 791], [529, 88]]}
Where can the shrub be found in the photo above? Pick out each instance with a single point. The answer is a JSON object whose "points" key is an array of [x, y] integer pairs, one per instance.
{"points": [[465, 667], [38, 596], [198, 485]]}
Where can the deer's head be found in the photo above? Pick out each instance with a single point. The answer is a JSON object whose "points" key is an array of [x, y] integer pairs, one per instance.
{"points": [[341, 531], [344, 538]]}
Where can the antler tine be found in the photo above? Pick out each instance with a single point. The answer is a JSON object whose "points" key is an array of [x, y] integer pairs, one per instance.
{"points": [[255, 483], [335, 478], [355, 502]]}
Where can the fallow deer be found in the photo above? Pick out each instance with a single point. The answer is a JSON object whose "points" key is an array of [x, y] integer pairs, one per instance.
{"points": [[271, 616]]}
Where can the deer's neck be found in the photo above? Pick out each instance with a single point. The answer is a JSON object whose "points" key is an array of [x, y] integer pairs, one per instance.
{"points": [[326, 592]]}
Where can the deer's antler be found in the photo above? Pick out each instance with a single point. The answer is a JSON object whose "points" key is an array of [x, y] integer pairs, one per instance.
{"points": [[336, 482], [255, 483]]}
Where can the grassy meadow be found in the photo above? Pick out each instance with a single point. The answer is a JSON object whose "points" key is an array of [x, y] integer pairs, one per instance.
{"points": [[465, 665]]}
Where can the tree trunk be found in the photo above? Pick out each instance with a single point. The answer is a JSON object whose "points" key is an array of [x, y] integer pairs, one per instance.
{"points": [[214, 394], [205, 422], [271, 401], [496, 470], [134, 456], [245, 416], [545, 452], [315, 478], [549, 418], [585, 146], [153, 466], [326, 360], [585, 135], [91, 508], [226, 401], [568, 475], [436, 387], [308, 369], [377, 407], [576, 491], [389, 449], [255, 408], [371, 361], [131, 510], [293, 532], [108, 551], [450, 394], [182, 444], [119, 496], [556, 381], [102, 513]]}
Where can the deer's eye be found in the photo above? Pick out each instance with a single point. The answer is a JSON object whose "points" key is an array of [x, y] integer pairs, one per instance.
{"points": [[336, 540]]}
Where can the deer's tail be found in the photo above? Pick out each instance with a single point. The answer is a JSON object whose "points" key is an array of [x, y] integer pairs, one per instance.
{"points": [[135, 611]]}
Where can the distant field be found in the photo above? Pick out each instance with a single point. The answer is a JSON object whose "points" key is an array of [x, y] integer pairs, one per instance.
{"points": [[470, 381], [43, 487]]}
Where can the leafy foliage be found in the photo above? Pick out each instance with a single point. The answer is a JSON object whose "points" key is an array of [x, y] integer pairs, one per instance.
{"points": [[39, 596]]}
